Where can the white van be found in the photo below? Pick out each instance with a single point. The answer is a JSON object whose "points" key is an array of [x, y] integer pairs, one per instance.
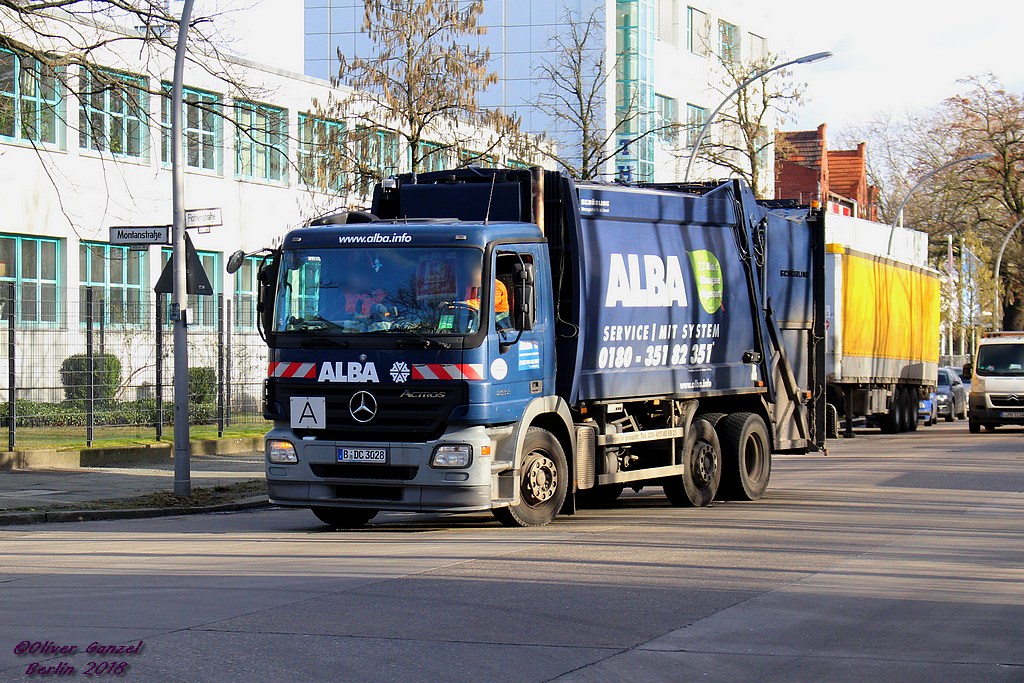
{"points": [[997, 390]]}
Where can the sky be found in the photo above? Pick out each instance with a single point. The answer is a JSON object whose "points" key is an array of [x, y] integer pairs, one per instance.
{"points": [[894, 55]]}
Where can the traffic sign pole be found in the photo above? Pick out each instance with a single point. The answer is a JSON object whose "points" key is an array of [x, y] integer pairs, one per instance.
{"points": [[179, 303]]}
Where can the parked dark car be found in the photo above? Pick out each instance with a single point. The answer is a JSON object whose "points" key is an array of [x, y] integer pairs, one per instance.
{"points": [[950, 395]]}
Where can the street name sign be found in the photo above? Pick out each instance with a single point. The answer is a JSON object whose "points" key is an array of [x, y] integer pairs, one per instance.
{"points": [[203, 218], [140, 234]]}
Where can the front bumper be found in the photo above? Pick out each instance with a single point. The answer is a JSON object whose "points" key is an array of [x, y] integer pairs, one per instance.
{"points": [[983, 412], [407, 482]]}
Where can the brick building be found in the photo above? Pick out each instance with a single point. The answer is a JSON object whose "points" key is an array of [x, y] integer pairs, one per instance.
{"points": [[807, 170]]}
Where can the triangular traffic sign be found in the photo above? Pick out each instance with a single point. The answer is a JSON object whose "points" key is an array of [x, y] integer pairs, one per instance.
{"points": [[196, 279]]}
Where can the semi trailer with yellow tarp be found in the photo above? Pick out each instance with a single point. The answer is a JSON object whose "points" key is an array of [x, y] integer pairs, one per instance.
{"points": [[882, 329]]}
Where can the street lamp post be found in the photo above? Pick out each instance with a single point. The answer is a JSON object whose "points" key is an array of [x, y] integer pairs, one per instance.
{"points": [[997, 321], [917, 186], [806, 59], [179, 302]]}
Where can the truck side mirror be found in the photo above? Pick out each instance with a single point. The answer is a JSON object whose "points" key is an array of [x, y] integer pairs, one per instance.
{"points": [[266, 291], [523, 311]]}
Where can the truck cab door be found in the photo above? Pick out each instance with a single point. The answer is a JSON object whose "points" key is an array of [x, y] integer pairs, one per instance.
{"points": [[520, 348]]}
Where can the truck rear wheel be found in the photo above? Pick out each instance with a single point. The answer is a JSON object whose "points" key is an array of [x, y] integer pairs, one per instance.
{"points": [[543, 482], [746, 457], [910, 400], [702, 458], [344, 518]]}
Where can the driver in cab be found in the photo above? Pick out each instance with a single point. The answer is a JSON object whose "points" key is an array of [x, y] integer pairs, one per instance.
{"points": [[501, 303]]}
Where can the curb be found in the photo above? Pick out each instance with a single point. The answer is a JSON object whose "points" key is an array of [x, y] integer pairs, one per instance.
{"points": [[43, 517]]}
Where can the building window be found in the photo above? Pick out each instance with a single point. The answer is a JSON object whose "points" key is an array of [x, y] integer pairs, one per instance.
{"points": [[112, 116], [202, 309], [376, 156], [668, 117], [32, 266], [432, 157], [696, 31], [201, 132], [668, 21], [261, 142], [696, 117], [246, 287], [30, 99], [758, 47], [319, 164], [118, 278], [470, 158], [728, 41]]}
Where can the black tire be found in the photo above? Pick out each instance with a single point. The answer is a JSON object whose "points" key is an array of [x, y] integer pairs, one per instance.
{"points": [[949, 418], [543, 482], [990, 428], [746, 457], [344, 518], [910, 400], [599, 496], [974, 427], [892, 421], [702, 457], [712, 418]]}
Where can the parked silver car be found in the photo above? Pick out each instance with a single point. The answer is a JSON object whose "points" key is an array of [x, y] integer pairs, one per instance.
{"points": [[950, 395]]}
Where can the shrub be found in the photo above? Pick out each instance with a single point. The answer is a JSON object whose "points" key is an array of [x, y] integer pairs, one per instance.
{"points": [[74, 375], [202, 386]]}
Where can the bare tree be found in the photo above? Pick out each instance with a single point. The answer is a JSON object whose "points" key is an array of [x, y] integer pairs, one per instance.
{"points": [[578, 76], [741, 138], [420, 87]]}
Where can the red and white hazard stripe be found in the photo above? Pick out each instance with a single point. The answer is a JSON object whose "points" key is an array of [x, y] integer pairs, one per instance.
{"points": [[470, 371], [297, 370]]}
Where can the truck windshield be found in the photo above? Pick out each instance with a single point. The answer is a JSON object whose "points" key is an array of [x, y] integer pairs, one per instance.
{"points": [[1001, 359], [348, 291]]}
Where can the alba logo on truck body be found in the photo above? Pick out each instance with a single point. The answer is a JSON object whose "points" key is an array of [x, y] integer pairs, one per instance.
{"points": [[348, 372], [660, 286]]}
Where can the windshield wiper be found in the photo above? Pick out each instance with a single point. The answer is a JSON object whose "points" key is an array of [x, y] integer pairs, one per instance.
{"points": [[317, 322], [421, 340]]}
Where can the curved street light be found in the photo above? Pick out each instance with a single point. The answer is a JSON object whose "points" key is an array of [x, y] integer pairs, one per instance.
{"points": [[806, 59], [997, 321], [917, 186]]}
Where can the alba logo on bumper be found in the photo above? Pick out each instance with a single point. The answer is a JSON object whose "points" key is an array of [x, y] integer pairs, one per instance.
{"points": [[353, 372]]}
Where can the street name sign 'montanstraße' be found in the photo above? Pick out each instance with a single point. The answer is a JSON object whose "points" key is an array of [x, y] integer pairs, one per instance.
{"points": [[140, 234]]}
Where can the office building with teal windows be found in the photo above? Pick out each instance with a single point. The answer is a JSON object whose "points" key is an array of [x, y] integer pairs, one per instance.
{"points": [[666, 56]]}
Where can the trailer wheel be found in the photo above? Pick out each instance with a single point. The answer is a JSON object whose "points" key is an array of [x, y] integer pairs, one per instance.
{"points": [[543, 482], [892, 421], [911, 402], [746, 457], [702, 458], [599, 496], [344, 518]]}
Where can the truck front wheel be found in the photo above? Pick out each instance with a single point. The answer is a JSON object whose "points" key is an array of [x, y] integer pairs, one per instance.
{"points": [[702, 459], [344, 518], [543, 482], [746, 456]]}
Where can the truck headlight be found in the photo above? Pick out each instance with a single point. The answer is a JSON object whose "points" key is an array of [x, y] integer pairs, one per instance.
{"points": [[281, 452], [452, 455]]}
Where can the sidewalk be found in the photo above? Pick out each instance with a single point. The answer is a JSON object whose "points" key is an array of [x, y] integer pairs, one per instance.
{"points": [[42, 488]]}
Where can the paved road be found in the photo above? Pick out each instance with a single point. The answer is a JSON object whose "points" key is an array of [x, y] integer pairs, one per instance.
{"points": [[894, 559]]}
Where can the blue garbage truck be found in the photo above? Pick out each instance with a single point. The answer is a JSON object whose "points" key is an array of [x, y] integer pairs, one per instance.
{"points": [[516, 342]]}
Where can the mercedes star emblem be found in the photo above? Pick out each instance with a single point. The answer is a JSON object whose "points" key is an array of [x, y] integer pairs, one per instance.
{"points": [[362, 406]]}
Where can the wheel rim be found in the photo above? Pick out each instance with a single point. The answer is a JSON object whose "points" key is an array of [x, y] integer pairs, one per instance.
{"points": [[705, 463], [540, 482], [753, 458]]}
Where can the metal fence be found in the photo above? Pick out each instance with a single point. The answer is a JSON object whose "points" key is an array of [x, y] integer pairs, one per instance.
{"points": [[101, 363]]}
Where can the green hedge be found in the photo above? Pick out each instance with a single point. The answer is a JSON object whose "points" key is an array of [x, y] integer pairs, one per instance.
{"points": [[114, 413], [74, 375], [202, 386]]}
